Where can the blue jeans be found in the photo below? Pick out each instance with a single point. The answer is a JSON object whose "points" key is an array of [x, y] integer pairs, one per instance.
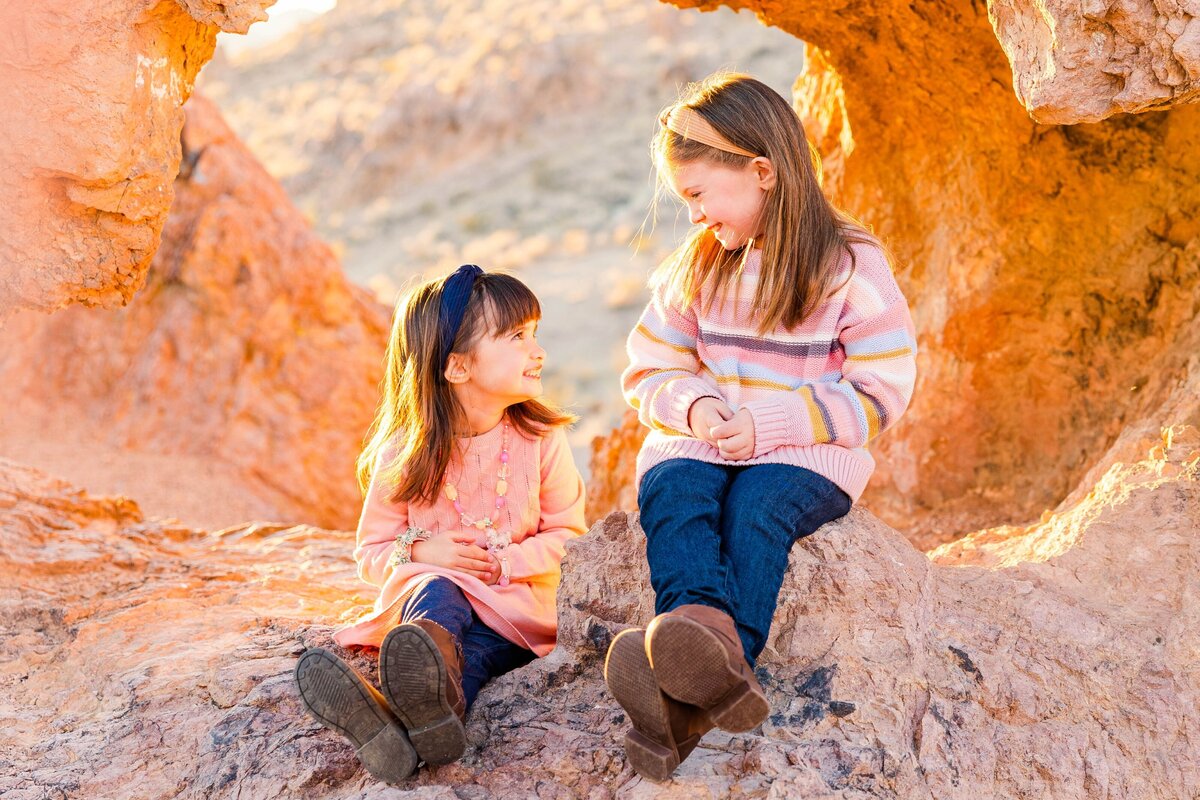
{"points": [[719, 535], [486, 654]]}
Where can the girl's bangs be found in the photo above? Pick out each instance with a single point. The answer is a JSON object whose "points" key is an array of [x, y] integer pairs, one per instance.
{"points": [[508, 303]]}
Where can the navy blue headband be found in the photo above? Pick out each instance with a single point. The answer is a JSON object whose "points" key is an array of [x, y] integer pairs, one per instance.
{"points": [[456, 293]]}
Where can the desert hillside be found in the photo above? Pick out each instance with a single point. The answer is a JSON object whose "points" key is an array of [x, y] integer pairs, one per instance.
{"points": [[419, 135]]}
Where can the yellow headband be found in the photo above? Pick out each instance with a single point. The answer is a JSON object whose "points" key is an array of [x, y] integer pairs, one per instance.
{"points": [[688, 123]]}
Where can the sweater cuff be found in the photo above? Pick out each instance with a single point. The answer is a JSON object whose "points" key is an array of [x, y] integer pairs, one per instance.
{"points": [[771, 427], [682, 401]]}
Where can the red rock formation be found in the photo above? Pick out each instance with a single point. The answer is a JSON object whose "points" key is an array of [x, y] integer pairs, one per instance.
{"points": [[247, 349], [89, 146], [1053, 271], [154, 661]]}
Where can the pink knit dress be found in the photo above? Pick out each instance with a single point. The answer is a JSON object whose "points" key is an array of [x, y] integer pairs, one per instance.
{"points": [[544, 509]]}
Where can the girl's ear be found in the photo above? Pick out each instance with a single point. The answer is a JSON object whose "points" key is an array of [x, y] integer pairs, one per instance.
{"points": [[764, 170], [457, 368]]}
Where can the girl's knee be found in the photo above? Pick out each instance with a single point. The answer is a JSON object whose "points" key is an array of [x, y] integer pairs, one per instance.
{"points": [[682, 480], [439, 584], [780, 486], [436, 591]]}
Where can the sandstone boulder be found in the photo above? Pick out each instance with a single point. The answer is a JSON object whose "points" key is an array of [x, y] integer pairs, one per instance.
{"points": [[149, 660], [1083, 62]]}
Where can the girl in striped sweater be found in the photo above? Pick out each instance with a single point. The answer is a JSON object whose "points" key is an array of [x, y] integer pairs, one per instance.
{"points": [[775, 347]]}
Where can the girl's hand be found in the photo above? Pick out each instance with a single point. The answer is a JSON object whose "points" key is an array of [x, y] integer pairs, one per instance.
{"points": [[705, 415], [457, 551], [735, 436], [494, 575]]}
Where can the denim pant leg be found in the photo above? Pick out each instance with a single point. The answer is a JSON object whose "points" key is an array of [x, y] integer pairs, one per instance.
{"points": [[768, 508], [681, 504], [487, 655], [439, 600]]}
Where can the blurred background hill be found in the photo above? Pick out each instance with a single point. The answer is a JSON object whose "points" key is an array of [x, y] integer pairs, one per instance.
{"points": [[420, 134]]}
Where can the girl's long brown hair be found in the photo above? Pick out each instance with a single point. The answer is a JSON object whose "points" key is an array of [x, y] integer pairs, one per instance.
{"points": [[803, 234], [419, 413]]}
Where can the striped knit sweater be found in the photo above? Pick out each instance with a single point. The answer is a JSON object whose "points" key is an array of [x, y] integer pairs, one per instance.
{"points": [[818, 393]]}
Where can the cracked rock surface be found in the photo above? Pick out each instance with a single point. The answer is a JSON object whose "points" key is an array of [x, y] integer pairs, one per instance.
{"points": [[142, 659]]}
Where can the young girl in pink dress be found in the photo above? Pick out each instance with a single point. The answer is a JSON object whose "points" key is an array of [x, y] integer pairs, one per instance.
{"points": [[471, 494]]}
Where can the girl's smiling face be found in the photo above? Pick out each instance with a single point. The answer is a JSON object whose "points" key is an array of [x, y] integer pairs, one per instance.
{"points": [[728, 201], [503, 368]]}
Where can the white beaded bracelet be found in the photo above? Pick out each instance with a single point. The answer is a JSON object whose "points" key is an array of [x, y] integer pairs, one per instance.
{"points": [[402, 552]]}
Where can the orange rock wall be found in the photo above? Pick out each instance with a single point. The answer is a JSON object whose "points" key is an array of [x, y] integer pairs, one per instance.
{"points": [[1053, 270], [247, 347], [89, 143]]}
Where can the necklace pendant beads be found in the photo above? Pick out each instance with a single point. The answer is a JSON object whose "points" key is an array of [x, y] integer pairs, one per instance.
{"points": [[497, 540]]}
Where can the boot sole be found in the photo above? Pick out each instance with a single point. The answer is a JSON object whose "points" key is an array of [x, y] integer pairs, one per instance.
{"points": [[650, 746], [692, 666], [338, 698], [413, 678]]}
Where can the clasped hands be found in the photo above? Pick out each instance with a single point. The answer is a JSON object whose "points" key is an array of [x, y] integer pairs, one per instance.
{"points": [[712, 421], [457, 550]]}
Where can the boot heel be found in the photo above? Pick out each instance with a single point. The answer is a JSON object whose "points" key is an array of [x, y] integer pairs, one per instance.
{"points": [[649, 758], [441, 742], [389, 756], [741, 710]]}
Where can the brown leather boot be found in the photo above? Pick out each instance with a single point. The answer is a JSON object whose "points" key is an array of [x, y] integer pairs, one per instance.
{"points": [[420, 672], [665, 732], [337, 697], [697, 659]]}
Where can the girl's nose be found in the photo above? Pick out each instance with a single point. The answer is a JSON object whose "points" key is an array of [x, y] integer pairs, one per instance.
{"points": [[695, 214], [539, 352]]}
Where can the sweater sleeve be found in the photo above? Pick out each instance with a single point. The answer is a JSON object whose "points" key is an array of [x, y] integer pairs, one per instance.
{"points": [[537, 557], [661, 382], [382, 519], [878, 337]]}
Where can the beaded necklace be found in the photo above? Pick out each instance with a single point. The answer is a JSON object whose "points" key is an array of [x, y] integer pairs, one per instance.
{"points": [[497, 541]]}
